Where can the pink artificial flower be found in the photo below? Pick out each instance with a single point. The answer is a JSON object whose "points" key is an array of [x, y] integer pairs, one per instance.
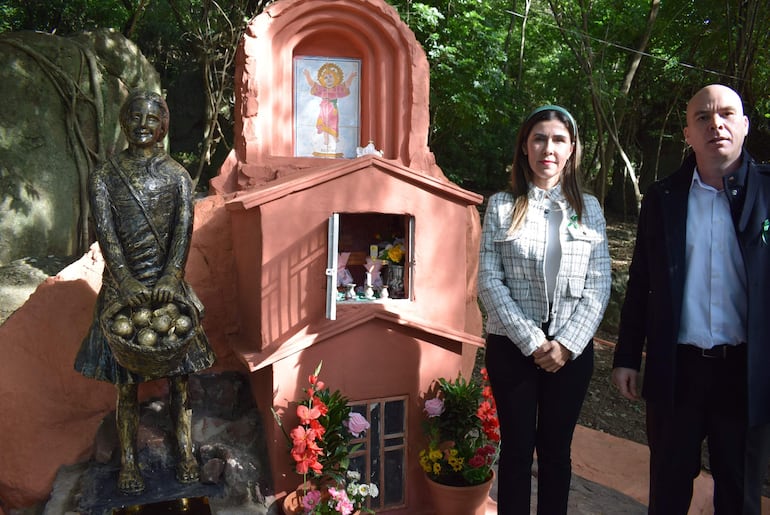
{"points": [[434, 407], [343, 504], [311, 500], [345, 507], [356, 424]]}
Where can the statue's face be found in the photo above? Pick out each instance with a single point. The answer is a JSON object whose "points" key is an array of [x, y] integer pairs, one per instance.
{"points": [[144, 126]]}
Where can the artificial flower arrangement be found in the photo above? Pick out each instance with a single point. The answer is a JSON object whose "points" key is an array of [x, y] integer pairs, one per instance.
{"points": [[463, 432], [393, 252], [320, 446]]}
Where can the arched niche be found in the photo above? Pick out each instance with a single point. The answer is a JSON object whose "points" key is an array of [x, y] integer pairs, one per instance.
{"points": [[394, 85]]}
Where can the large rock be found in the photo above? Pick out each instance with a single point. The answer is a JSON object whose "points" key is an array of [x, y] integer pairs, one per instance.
{"points": [[59, 102]]}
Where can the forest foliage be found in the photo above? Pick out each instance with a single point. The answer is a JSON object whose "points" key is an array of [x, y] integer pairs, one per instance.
{"points": [[624, 68]]}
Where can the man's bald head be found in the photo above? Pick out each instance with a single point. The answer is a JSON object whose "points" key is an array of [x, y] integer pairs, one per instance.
{"points": [[716, 128]]}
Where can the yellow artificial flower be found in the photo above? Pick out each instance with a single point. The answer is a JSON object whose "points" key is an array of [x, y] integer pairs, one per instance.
{"points": [[396, 253]]}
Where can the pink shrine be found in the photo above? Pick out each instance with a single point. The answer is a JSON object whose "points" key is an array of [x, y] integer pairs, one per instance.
{"points": [[291, 212], [301, 196]]}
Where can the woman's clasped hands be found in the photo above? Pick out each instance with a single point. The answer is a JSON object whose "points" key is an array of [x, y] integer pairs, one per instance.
{"points": [[551, 356]]}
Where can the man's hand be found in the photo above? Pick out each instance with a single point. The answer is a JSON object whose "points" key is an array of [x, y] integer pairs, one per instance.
{"points": [[625, 379]]}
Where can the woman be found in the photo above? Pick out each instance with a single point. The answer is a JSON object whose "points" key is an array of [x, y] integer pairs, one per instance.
{"points": [[141, 202], [544, 279]]}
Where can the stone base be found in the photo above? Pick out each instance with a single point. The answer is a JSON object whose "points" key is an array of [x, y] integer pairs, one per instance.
{"points": [[99, 494], [186, 506], [229, 446]]}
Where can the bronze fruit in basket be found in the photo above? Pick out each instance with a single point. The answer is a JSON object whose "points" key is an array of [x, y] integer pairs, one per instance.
{"points": [[182, 325], [146, 337], [161, 323], [141, 317], [122, 327]]}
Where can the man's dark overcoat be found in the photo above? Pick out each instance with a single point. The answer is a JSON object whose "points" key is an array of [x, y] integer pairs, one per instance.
{"points": [[653, 305]]}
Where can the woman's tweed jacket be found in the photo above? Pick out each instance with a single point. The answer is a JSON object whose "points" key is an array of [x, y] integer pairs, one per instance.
{"points": [[512, 272]]}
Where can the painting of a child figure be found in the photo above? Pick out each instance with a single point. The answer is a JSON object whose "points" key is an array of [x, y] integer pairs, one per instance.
{"points": [[327, 116]]}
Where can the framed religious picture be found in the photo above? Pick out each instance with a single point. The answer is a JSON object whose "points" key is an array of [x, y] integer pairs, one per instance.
{"points": [[327, 106]]}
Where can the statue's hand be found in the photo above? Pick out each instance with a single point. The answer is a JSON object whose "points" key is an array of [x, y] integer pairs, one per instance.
{"points": [[135, 292], [165, 289]]}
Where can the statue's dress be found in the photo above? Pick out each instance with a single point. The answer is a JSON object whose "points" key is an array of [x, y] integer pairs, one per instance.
{"points": [[143, 230]]}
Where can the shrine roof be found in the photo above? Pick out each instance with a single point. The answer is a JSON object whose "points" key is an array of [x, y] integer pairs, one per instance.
{"points": [[284, 186], [349, 320]]}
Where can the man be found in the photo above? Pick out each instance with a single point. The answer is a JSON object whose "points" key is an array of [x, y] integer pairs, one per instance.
{"points": [[698, 291]]}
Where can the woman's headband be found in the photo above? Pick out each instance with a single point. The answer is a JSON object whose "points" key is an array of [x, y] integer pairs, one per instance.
{"points": [[558, 109]]}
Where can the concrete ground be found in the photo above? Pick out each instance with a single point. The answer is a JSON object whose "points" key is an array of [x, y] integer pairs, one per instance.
{"points": [[610, 477]]}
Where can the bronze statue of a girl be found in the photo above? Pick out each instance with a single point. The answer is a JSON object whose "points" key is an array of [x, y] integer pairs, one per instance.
{"points": [[141, 201]]}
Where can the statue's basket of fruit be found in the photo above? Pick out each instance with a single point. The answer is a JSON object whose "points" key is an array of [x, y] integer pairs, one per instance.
{"points": [[150, 340]]}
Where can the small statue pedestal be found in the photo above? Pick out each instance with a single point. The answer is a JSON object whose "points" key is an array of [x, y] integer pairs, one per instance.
{"points": [[186, 506]]}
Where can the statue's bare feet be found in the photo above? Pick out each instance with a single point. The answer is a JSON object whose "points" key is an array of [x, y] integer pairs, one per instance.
{"points": [[187, 470], [130, 480]]}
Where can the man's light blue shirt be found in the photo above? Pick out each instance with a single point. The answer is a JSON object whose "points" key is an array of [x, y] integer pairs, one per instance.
{"points": [[714, 302]]}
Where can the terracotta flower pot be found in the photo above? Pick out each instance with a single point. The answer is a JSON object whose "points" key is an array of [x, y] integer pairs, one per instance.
{"points": [[292, 503], [460, 500]]}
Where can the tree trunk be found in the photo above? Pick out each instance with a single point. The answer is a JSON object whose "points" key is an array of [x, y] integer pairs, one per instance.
{"points": [[582, 50]]}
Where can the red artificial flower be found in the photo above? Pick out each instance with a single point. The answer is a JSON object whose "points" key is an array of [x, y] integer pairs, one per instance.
{"points": [[315, 382], [491, 428], [302, 439], [306, 415], [305, 451], [485, 411], [477, 461], [486, 450], [320, 406], [306, 463], [487, 393], [318, 428]]}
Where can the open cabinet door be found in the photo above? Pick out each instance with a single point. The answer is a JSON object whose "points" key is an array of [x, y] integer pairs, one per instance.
{"points": [[331, 269]]}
